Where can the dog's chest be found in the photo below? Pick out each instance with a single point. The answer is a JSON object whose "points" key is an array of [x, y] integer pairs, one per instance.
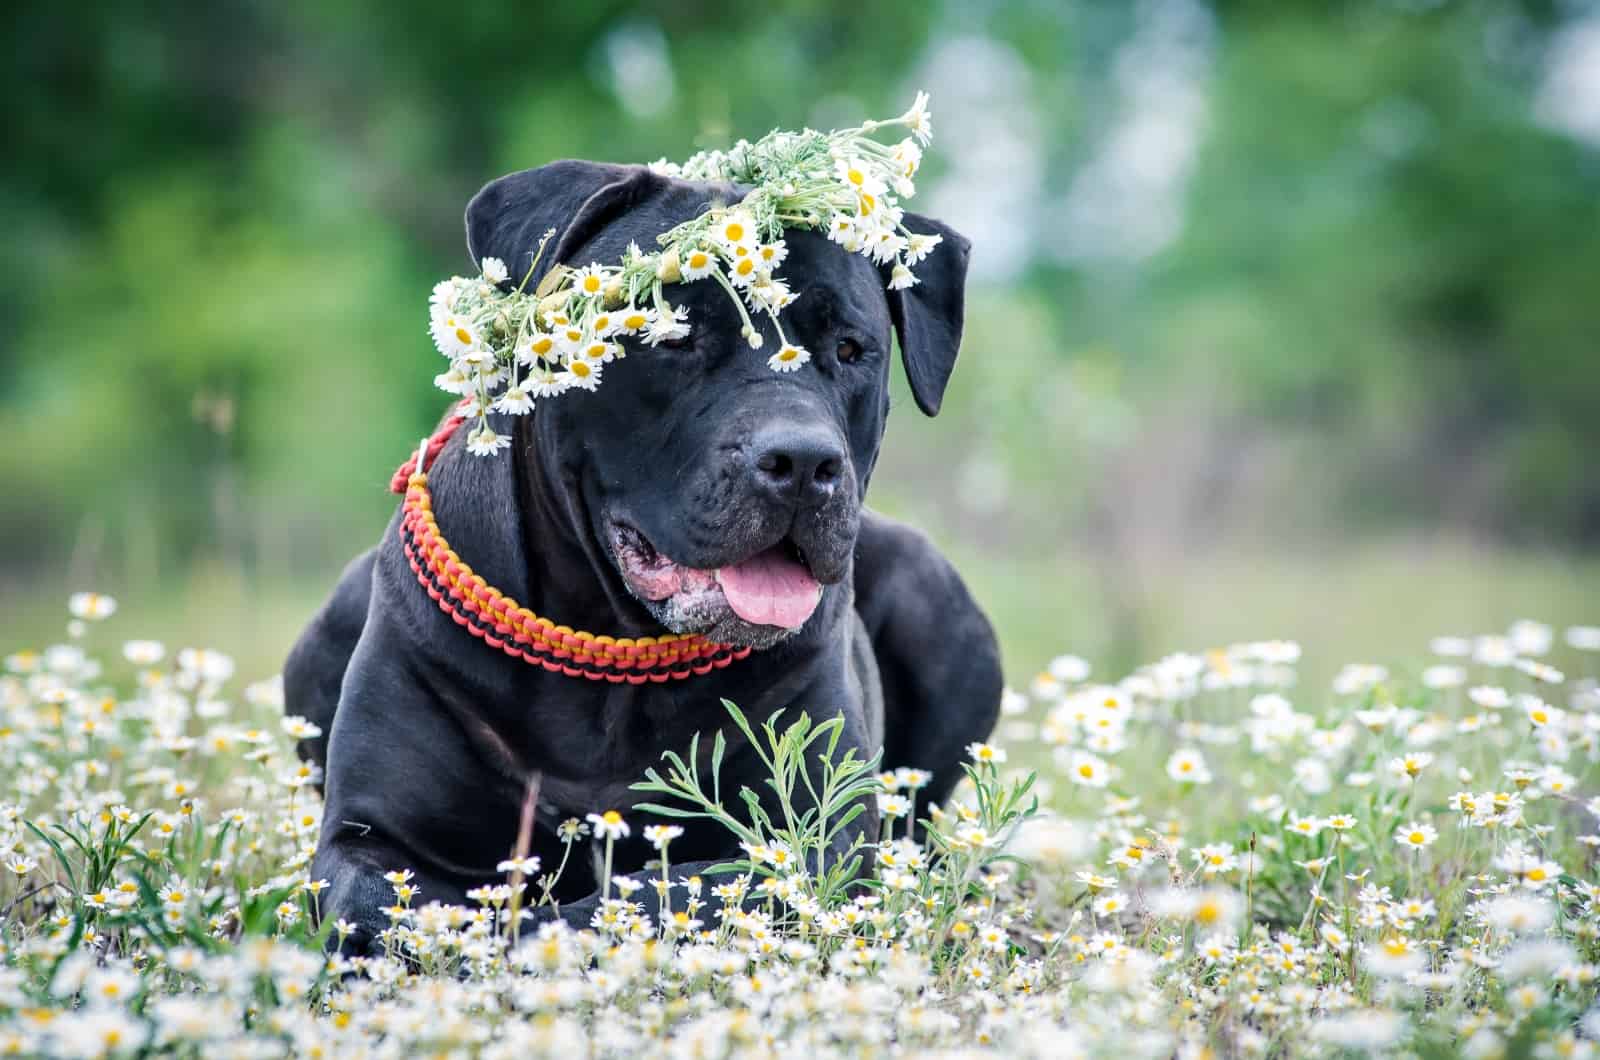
{"points": [[588, 748]]}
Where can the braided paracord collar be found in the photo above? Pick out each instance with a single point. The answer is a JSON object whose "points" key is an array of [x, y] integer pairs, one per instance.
{"points": [[502, 623]]}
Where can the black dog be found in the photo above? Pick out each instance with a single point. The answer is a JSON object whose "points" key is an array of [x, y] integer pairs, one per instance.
{"points": [[695, 451]]}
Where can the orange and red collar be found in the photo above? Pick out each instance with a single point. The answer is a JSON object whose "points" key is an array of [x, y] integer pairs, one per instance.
{"points": [[502, 623]]}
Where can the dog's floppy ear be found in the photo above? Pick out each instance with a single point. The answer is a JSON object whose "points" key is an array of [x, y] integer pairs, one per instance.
{"points": [[510, 215], [928, 317]]}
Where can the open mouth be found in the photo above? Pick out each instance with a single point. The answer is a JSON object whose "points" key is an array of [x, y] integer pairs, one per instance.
{"points": [[773, 587]]}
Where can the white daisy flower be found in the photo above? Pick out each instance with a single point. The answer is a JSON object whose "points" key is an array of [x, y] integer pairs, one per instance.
{"points": [[590, 280], [1088, 770], [986, 753], [631, 319], [668, 327], [745, 270], [845, 231], [479, 362], [527, 865], [515, 401], [886, 245], [570, 337], [608, 825], [92, 606], [907, 157], [861, 177], [768, 295], [901, 278], [485, 441], [581, 373], [735, 229], [454, 335], [1188, 766], [543, 384], [143, 652], [697, 263], [772, 255], [920, 245], [1416, 835], [494, 270], [788, 359], [660, 835], [536, 346], [454, 381], [919, 121], [443, 299], [599, 352]]}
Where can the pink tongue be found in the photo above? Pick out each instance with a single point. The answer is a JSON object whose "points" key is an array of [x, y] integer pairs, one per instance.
{"points": [[770, 589]]}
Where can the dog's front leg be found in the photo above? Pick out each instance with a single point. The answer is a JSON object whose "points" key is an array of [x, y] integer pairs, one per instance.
{"points": [[357, 864], [406, 794]]}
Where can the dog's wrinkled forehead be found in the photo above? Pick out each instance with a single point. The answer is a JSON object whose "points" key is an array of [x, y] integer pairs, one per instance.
{"points": [[596, 209]]}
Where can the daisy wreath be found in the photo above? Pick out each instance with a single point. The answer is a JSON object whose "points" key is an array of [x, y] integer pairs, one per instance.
{"points": [[509, 347]]}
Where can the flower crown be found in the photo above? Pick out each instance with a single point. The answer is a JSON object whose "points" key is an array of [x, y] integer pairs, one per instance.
{"points": [[509, 348]]}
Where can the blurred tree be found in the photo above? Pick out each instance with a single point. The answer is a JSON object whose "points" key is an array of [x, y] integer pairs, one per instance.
{"points": [[223, 219]]}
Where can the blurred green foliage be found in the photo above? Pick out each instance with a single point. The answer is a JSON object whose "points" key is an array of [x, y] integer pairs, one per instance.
{"points": [[1377, 309]]}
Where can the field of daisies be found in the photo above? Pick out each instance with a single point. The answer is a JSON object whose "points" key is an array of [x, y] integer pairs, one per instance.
{"points": [[1201, 858]]}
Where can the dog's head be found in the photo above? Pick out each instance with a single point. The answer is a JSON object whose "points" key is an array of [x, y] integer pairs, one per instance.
{"points": [[727, 495]]}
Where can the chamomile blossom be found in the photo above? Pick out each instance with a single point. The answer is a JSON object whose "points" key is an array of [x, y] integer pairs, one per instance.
{"points": [[697, 264], [92, 606], [1188, 766], [845, 183], [789, 358], [580, 374], [608, 825], [486, 441], [494, 270], [1416, 835]]}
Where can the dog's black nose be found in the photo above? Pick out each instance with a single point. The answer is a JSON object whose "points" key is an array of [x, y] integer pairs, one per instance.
{"points": [[797, 463]]}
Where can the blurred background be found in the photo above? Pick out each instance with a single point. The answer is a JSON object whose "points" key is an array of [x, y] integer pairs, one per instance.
{"points": [[1284, 320]]}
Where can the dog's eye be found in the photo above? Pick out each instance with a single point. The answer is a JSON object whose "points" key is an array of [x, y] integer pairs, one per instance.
{"points": [[849, 351]]}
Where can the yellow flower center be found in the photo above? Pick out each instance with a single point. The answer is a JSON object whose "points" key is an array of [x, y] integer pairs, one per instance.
{"points": [[635, 320], [1418, 838], [463, 336], [591, 285], [1086, 771], [611, 817], [580, 369], [698, 259], [541, 345], [789, 353], [745, 267], [734, 231]]}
